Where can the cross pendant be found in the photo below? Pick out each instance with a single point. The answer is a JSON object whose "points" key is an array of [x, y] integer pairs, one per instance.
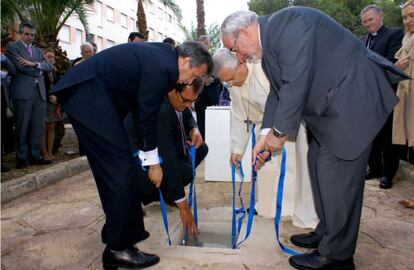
{"points": [[248, 123]]}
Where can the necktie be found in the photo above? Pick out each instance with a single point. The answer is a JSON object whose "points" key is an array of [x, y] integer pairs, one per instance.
{"points": [[180, 120], [30, 50]]}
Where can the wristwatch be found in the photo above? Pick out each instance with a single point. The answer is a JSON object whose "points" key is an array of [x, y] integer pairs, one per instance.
{"points": [[277, 133]]}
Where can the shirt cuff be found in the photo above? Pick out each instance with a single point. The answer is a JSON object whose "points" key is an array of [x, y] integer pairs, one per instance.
{"points": [[264, 131], [180, 200], [149, 157]]}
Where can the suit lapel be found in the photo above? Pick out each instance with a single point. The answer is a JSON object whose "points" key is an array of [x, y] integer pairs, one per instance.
{"points": [[23, 50]]}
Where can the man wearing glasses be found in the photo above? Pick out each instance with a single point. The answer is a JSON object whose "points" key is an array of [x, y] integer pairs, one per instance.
{"points": [[29, 96], [176, 131], [97, 95]]}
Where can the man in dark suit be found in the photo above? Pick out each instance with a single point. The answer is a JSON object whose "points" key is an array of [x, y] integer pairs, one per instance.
{"points": [[29, 96], [383, 161], [97, 95], [321, 72], [176, 129]]}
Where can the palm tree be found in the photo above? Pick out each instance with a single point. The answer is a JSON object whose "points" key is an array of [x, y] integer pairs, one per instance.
{"points": [[49, 16], [212, 31], [142, 20], [200, 18]]}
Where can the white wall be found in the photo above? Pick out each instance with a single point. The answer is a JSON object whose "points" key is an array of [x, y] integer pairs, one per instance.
{"points": [[111, 30]]}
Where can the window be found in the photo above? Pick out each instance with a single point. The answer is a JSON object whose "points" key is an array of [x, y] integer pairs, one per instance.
{"points": [[133, 25], [124, 20], [79, 38], [169, 18], [98, 13], [160, 14], [151, 34], [109, 14], [99, 43], [64, 34], [110, 43]]}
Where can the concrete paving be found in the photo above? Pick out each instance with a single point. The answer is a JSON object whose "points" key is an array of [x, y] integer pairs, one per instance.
{"points": [[58, 227]]}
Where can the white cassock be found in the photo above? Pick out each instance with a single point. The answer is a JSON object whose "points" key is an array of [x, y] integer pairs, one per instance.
{"points": [[298, 205]]}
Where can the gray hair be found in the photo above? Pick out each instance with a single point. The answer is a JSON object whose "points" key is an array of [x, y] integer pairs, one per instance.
{"points": [[197, 52], [26, 24], [86, 44], [236, 21], [374, 8], [204, 38], [223, 58]]}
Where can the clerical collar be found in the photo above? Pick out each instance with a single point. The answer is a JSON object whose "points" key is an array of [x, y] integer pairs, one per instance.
{"points": [[374, 34]]}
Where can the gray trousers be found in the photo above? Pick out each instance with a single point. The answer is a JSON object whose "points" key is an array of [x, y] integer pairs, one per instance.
{"points": [[30, 115], [338, 189]]}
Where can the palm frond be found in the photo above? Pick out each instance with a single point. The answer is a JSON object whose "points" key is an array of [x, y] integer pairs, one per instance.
{"points": [[174, 8]]}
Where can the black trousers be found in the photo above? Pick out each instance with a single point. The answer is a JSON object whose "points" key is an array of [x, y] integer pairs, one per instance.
{"points": [[338, 188], [116, 177], [384, 158]]}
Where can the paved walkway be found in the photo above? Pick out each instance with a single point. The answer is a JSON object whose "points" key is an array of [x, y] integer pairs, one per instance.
{"points": [[58, 227]]}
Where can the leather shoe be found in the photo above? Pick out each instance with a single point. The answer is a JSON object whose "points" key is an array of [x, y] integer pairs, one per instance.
{"points": [[385, 183], [306, 240], [130, 258], [372, 174], [40, 162], [21, 164], [315, 260]]}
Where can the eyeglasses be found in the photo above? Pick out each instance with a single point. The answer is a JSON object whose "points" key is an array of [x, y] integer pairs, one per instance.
{"points": [[29, 34], [185, 100], [232, 49]]}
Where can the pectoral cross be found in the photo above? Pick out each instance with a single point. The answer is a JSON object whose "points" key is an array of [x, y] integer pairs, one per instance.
{"points": [[248, 123]]}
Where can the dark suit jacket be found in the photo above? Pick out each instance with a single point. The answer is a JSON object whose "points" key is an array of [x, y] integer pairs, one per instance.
{"points": [[321, 72], [23, 84], [132, 77], [176, 166], [386, 43]]}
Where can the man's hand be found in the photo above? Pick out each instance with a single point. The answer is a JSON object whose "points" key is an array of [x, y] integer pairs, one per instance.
{"points": [[259, 147], [155, 174], [187, 218], [261, 159], [403, 62], [25, 62], [53, 99], [235, 158], [274, 143], [196, 137]]}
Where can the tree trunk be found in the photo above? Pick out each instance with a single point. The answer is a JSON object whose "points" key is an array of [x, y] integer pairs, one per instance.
{"points": [[142, 20], [200, 18]]}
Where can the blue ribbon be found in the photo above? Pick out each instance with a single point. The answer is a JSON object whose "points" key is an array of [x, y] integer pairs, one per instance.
{"points": [[192, 191], [236, 225], [279, 203], [163, 206]]}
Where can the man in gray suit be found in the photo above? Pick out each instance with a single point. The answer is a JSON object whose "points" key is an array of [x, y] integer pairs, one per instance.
{"points": [[29, 96], [321, 72]]}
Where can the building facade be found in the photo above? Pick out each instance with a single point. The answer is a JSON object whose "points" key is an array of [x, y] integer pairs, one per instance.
{"points": [[111, 21]]}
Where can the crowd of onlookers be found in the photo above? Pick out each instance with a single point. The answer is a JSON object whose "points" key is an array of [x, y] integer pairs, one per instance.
{"points": [[33, 120]]}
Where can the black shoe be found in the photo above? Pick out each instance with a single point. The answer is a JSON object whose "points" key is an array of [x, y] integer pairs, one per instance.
{"points": [[130, 258], [306, 240], [372, 174], [21, 164], [40, 162], [385, 183], [315, 260]]}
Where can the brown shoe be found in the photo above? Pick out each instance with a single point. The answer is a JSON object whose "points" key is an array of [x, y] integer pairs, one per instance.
{"points": [[407, 203]]}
